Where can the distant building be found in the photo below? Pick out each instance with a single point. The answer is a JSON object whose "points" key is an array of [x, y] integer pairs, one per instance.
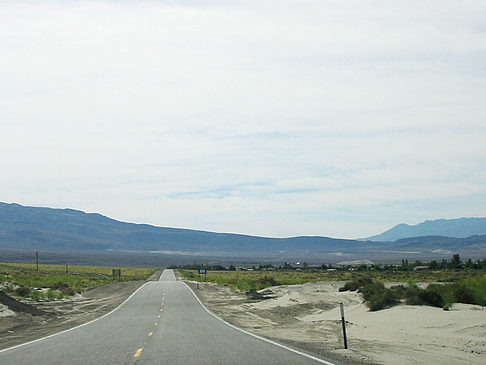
{"points": [[416, 268]]}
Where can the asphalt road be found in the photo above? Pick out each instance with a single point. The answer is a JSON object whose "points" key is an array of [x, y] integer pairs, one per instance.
{"points": [[161, 323]]}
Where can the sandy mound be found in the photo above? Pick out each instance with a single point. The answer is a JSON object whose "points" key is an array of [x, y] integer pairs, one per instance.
{"points": [[6, 311], [17, 306]]}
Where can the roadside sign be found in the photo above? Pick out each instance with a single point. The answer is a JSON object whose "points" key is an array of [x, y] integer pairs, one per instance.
{"points": [[116, 273], [202, 271]]}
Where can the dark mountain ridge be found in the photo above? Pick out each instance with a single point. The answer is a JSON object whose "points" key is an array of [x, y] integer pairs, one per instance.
{"points": [[68, 230], [458, 228]]}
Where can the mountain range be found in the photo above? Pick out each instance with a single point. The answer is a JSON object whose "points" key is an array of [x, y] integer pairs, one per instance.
{"points": [[68, 230], [459, 228]]}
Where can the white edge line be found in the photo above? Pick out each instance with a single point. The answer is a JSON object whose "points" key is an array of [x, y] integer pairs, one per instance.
{"points": [[73, 328], [256, 336]]}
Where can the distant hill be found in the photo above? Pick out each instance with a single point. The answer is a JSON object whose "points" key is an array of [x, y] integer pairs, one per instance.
{"points": [[458, 228], [71, 230], [75, 232]]}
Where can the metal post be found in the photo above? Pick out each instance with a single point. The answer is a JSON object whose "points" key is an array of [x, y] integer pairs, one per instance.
{"points": [[37, 259], [344, 326]]}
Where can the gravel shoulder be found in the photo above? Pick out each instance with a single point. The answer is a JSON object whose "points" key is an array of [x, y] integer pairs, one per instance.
{"points": [[49, 317]]}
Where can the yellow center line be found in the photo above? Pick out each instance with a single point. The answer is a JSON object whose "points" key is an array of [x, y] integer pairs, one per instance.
{"points": [[150, 334], [161, 309], [139, 351], [158, 316], [156, 323]]}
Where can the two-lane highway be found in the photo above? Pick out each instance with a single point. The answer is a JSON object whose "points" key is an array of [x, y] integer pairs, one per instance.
{"points": [[161, 323]]}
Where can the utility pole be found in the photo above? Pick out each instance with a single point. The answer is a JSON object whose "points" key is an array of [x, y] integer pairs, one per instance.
{"points": [[37, 259]]}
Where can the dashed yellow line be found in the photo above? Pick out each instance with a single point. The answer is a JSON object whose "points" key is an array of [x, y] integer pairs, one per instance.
{"points": [[139, 351], [156, 323], [161, 309], [158, 316], [150, 334]]}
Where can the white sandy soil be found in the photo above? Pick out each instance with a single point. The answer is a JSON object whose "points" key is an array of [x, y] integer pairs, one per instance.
{"points": [[308, 316]]}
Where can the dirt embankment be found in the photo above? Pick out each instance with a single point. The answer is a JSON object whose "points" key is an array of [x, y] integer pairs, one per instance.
{"points": [[307, 316], [28, 321]]}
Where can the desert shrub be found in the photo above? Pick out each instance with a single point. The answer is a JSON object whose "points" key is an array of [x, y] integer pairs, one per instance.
{"points": [[356, 283], [398, 291], [411, 294], [54, 294], [248, 280], [23, 291], [371, 290], [381, 299], [477, 286], [432, 298], [36, 295], [462, 294], [68, 291], [59, 285], [349, 286], [265, 282], [375, 295]]}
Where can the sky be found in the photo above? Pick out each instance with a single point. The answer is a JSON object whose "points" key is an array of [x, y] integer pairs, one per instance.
{"points": [[274, 118]]}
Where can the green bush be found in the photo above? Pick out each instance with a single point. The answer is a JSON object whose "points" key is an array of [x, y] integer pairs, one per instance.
{"points": [[478, 287], [381, 299], [59, 285], [36, 295], [432, 298], [356, 284], [375, 295], [54, 294], [462, 294], [68, 291], [23, 291]]}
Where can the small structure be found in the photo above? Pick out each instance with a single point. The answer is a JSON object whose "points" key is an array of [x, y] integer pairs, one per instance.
{"points": [[417, 268], [116, 273]]}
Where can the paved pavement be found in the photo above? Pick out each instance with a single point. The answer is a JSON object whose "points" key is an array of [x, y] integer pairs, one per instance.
{"points": [[161, 323]]}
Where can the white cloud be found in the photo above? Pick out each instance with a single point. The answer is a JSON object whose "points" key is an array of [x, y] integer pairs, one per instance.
{"points": [[273, 118]]}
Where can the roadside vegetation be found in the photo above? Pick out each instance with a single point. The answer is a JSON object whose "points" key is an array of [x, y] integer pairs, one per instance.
{"points": [[470, 290], [53, 282], [450, 282]]}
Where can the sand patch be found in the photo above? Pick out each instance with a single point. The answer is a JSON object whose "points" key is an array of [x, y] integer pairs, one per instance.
{"points": [[308, 316], [5, 311]]}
